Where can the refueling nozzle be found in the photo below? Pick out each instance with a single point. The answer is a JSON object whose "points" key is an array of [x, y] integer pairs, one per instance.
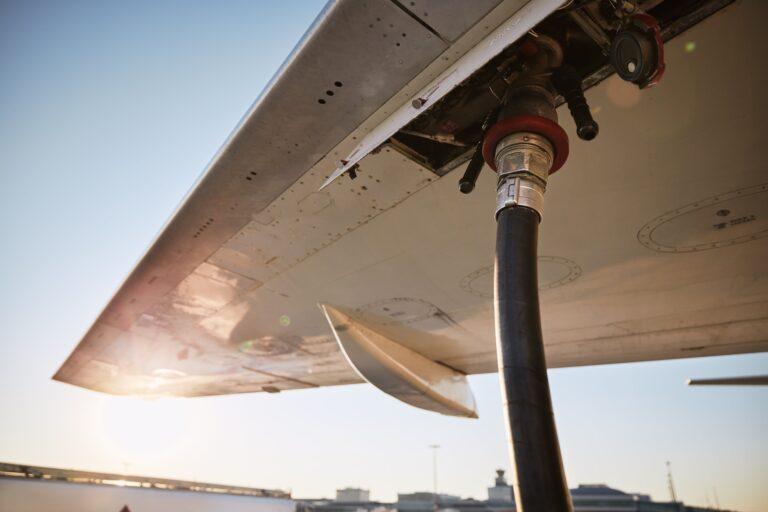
{"points": [[526, 143]]}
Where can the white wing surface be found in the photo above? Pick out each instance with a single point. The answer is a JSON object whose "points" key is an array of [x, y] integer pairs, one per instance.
{"points": [[654, 244]]}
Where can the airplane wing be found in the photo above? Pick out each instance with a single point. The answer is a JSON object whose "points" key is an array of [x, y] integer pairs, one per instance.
{"points": [[751, 380], [653, 246]]}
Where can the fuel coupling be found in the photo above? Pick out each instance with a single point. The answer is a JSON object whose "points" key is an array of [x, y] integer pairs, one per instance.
{"points": [[523, 161], [526, 143]]}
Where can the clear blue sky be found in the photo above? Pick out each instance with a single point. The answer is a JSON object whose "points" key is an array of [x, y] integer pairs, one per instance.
{"points": [[108, 113]]}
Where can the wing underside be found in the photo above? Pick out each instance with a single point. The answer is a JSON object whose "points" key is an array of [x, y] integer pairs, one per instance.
{"points": [[670, 262]]}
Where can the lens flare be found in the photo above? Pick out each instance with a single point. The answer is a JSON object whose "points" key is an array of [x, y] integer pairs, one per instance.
{"points": [[135, 427]]}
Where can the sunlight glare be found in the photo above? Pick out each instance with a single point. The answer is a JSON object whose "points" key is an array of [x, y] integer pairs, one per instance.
{"points": [[136, 427]]}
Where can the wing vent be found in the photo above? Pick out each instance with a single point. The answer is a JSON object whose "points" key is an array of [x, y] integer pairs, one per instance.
{"points": [[203, 227]]}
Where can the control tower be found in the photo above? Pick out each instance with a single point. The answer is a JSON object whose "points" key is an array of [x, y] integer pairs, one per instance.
{"points": [[502, 491]]}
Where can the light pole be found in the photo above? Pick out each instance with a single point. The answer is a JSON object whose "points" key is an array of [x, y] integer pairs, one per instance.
{"points": [[434, 447]]}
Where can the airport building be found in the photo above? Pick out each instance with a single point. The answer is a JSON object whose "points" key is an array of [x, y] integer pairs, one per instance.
{"points": [[31, 489], [36, 489], [586, 498], [352, 494], [501, 491]]}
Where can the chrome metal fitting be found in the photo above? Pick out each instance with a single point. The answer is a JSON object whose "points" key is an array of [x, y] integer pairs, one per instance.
{"points": [[523, 161]]}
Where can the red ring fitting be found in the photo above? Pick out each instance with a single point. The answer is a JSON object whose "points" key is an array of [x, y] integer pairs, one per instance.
{"points": [[650, 26], [552, 131]]}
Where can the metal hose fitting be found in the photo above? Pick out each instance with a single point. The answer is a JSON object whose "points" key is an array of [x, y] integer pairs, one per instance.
{"points": [[523, 161]]}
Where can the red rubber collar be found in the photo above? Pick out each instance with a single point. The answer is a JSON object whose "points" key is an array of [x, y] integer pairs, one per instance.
{"points": [[552, 131], [649, 25]]}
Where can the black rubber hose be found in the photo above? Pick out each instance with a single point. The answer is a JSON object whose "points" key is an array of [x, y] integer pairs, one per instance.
{"points": [[540, 479]]}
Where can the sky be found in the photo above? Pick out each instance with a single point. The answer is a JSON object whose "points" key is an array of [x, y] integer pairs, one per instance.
{"points": [[108, 113]]}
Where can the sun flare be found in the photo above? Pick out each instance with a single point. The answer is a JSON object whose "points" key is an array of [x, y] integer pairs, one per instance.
{"points": [[135, 427]]}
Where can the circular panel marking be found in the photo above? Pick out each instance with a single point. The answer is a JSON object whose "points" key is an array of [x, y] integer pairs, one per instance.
{"points": [[554, 271], [718, 221], [265, 346], [479, 283]]}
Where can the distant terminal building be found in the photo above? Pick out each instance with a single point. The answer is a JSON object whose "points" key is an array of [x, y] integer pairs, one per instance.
{"points": [[352, 494], [586, 498], [349, 499], [416, 501], [600, 497], [35, 489]]}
